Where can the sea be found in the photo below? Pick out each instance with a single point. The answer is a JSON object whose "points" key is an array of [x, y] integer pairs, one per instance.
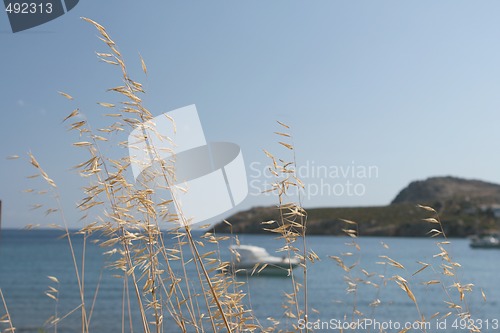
{"points": [[365, 298]]}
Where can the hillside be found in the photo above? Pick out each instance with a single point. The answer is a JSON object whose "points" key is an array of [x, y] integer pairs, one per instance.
{"points": [[444, 189], [465, 207]]}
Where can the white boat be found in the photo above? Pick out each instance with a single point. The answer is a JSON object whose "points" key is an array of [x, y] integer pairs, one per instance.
{"points": [[255, 260], [485, 241]]}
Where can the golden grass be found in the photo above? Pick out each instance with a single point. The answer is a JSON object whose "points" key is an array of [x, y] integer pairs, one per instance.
{"points": [[6, 319], [134, 224]]}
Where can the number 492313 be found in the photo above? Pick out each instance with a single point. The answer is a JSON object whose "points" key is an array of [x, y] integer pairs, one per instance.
{"points": [[29, 8]]}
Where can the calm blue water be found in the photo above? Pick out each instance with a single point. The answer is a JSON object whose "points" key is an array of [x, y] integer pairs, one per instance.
{"points": [[28, 257]]}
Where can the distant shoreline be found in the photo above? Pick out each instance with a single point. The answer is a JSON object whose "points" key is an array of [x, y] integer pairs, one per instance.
{"points": [[73, 232], [464, 206], [395, 220]]}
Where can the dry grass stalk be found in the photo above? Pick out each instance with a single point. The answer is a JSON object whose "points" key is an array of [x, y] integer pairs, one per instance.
{"points": [[448, 268], [6, 319], [291, 225]]}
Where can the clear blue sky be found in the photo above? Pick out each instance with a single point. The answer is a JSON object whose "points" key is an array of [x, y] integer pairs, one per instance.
{"points": [[410, 87]]}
